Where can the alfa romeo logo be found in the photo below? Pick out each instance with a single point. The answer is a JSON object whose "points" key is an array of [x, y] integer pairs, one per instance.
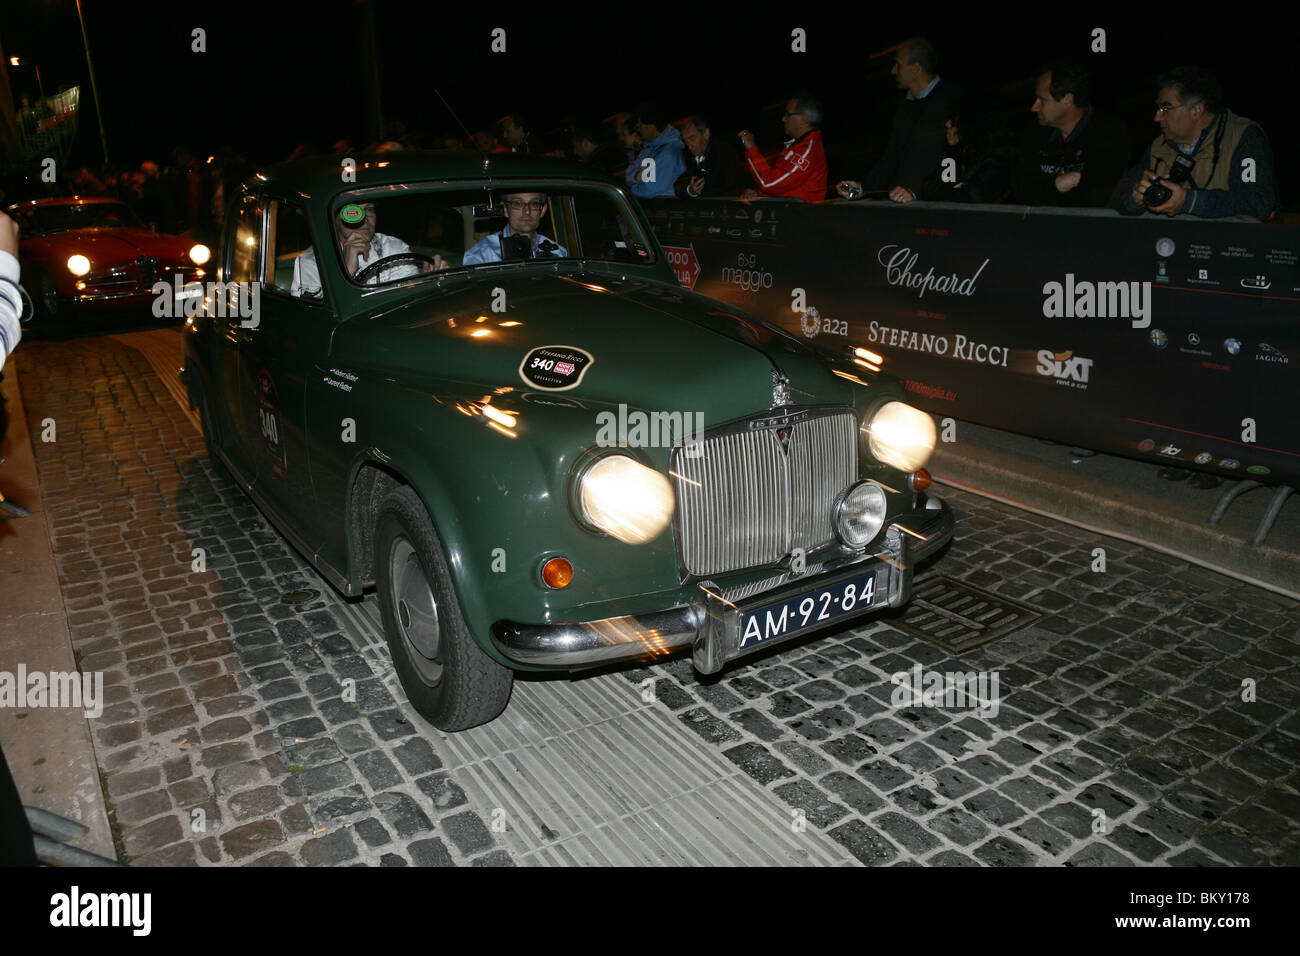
{"points": [[811, 321]]}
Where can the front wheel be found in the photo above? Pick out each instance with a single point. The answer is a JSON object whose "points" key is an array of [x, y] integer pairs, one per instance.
{"points": [[48, 306], [446, 675]]}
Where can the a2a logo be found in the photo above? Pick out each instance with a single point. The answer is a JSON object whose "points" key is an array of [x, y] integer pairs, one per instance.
{"points": [[1066, 367]]}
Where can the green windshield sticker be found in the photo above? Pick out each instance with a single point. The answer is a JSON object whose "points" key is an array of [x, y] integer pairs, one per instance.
{"points": [[352, 214]]}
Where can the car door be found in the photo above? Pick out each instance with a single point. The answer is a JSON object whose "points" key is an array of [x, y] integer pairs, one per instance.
{"points": [[241, 263], [278, 359]]}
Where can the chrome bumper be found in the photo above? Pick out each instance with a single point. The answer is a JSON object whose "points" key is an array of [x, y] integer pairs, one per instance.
{"points": [[709, 625]]}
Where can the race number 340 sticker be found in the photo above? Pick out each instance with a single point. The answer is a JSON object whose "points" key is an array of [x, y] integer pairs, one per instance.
{"points": [[555, 367]]}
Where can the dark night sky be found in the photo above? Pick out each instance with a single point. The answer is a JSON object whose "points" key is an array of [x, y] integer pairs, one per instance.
{"points": [[277, 74]]}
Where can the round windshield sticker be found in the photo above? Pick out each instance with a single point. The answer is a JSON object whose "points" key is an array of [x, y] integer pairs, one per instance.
{"points": [[352, 214], [555, 368]]}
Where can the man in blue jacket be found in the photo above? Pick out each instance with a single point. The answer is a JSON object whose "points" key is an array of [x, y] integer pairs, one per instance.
{"points": [[660, 161]]}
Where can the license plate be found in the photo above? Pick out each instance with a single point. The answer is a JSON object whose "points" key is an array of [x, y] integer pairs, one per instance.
{"points": [[813, 609]]}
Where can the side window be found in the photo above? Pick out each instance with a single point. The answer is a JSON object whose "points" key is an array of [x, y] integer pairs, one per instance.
{"points": [[606, 231], [246, 242], [288, 240]]}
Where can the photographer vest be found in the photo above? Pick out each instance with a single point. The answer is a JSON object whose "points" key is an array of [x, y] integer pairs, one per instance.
{"points": [[1213, 156]]}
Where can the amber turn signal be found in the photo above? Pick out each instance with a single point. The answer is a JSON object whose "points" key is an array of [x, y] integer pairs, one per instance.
{"points": [[919, 480], [557, 573]]}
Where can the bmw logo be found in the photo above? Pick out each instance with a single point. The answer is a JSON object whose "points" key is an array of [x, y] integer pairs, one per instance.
{"points": [[1232, 345]]}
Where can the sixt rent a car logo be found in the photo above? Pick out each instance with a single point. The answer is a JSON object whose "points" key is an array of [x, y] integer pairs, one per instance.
{"points": [[234, 300], [638, 429], [1098, 300], [1066, 367]]}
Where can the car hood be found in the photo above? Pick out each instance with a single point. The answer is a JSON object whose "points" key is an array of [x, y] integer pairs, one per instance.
{"points": [[653, 346], [105, 247]]}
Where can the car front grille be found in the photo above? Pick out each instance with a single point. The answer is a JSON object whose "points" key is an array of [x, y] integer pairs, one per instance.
{"points": [[762, 488]]}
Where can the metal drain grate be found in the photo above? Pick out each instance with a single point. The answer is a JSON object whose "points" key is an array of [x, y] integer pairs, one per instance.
{"points": [[959, 616]]}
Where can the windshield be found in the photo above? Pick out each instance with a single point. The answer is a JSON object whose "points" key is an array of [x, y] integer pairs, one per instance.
{"points": [[388, 237], [62, 217]]}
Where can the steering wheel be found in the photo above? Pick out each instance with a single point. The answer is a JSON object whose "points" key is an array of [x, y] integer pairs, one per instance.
{"points": [[383, 263]]}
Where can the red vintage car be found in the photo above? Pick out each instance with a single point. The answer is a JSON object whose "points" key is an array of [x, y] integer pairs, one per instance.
{"points": [[91, 251]]}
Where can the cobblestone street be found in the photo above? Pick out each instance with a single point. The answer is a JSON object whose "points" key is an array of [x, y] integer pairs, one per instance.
{"points": [[1149, 716]]}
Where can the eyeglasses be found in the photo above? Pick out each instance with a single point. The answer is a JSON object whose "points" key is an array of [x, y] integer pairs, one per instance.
{"points": [[1163, 108], [532, 205]]}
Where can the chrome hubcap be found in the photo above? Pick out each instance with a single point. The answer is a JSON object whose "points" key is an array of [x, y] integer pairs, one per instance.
{"points": [[416, 610]]}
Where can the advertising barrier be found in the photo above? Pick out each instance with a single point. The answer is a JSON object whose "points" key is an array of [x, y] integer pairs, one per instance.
{"points": [[1173, 340]]}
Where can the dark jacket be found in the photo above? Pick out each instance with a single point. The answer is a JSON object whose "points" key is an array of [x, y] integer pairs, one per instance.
{"points": [[916, 141], [723, 172], [1098, 149], [1217, 187]]}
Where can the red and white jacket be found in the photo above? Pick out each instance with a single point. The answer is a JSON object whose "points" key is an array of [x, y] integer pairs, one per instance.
{"points": [[797, 171]]}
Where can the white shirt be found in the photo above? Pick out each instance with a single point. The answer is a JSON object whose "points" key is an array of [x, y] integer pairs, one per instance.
{"points": [[306, 273], [11, 306]]}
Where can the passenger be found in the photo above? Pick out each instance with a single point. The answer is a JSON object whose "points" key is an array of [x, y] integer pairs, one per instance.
{"points": [[657, 166], [1085, 153], [361, 246], [713, 167], [1225, 160], [917, 140], [798, 171], [525, 212]]}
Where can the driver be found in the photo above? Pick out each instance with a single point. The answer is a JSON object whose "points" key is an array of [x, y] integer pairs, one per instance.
{"points": [[361, 246], [524, 212]]}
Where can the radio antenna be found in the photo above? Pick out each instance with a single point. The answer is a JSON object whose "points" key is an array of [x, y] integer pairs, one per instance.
{"points": [[469, 137]]}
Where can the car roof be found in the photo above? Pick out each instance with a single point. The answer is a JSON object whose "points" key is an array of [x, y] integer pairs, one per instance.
{"points": [[320, 175]]}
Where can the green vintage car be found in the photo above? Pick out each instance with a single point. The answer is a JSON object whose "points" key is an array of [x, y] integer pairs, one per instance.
{"points": [[474, 384]]}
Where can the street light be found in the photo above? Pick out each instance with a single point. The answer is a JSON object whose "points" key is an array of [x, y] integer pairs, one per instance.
{"points": [[17, 61]]}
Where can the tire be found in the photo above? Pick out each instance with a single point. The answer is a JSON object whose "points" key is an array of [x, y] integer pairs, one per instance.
{"points": [[210, 440], [49, 310], [446, 675]]}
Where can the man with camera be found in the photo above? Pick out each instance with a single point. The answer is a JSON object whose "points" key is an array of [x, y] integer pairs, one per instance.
{"points": [[712, 166], [917, 139], [798, 171], [1207, 161], [520, 238]]}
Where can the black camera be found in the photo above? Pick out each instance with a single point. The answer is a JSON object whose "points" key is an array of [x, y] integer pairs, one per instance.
{"points": [[1158, 193]]}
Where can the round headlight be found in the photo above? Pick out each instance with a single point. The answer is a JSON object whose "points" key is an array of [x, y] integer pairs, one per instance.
{"points": [[624, 498], [901, 436], [199, 254], [860, 514], [78, 265]]}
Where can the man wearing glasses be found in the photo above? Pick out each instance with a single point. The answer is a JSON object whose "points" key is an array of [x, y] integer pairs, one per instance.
{"points": [[520, 238], [799, 169], [1231, 165]]}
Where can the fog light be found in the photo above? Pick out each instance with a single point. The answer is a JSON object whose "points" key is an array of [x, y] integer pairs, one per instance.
{"points": [[859, 514], [919, 480], [557, 573]]}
